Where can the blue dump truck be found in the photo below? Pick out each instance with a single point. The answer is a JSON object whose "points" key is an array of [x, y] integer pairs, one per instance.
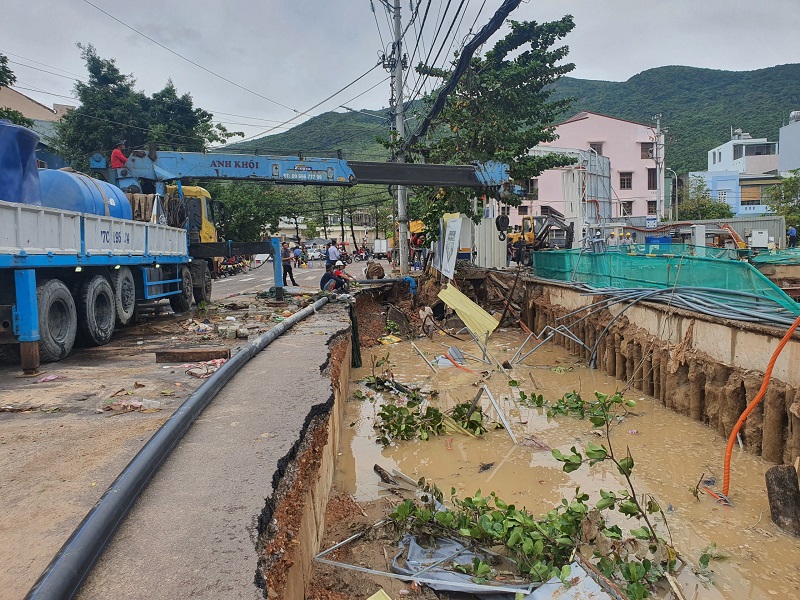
{"points": [[73, 261]]}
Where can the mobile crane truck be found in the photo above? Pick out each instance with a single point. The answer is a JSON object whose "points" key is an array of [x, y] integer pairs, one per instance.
{"points": [[74, 262]]}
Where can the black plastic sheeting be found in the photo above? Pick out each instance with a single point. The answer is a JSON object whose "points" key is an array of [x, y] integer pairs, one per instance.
{"points": [[73, 562]]}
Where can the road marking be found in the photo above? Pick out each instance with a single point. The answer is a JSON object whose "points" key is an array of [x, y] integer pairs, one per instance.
{"points": [[247, 279]]}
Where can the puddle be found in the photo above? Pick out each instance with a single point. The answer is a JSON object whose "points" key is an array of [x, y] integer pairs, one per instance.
{"points": [[671, 452]]}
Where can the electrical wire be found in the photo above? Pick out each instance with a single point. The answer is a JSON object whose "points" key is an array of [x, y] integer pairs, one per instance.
{"points": [[306, 112], [189, 60], [463, 63], [39, 63], [372, 7]]}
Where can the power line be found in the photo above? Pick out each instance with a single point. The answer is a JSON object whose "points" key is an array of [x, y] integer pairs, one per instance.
{"points": [[190, 61], [211, 110], [39, 63], [33, 89], [372, 7], [463, 64], [306, 112], [45, 71]]}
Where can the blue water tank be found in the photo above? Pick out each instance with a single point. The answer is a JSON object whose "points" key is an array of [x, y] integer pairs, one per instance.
{"points": [[19, 175], [81, 193], [658, 239]]}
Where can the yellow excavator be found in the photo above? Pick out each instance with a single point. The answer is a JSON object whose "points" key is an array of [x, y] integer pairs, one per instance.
{"points": [[535, 231]]}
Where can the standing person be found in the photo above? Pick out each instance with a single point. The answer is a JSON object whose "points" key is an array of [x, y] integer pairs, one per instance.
{"points": [[118, 159], [286, 262], [332, 252], [297, 253], [792, 236]]}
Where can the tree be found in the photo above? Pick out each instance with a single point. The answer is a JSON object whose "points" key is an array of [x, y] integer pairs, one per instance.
{"points": [[500, 109], [251, 210], [784, 198], [696, 203], [319, 196], [112, 109], [293, 206], [7, 79], [342, 200]]}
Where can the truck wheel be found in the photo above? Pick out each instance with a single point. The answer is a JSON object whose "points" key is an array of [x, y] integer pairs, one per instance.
{"points": [[527, 258], [182, 302], [124, 294], [58, 320], [96, 311], [202, 292]]}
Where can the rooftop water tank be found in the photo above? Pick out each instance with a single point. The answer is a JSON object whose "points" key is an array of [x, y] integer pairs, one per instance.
{"points": [[19, 175], [74, 191]]}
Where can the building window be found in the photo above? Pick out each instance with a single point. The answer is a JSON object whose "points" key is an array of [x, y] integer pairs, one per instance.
{"points": [[752, 194], [714, 158], [626, 180], [651, 207], [522, 211], [505, 210], [722, 195], [533, 189], [652, 179], [647, 149], [627, 208], [597, 147]]}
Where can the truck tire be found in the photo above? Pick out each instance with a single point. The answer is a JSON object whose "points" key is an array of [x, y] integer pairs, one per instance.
{"points": [[97, 313], [124, 294], [182, 302], [58, 320], [202, 276]]}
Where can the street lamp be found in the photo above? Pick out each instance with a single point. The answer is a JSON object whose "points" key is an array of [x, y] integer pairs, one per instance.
{"points": [[674, 187]]}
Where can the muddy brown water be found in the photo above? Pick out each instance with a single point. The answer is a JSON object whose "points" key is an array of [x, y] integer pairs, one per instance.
{"points": [[671, 452]]}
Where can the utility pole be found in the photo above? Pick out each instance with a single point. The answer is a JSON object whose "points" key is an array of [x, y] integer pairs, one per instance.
{"points": [[399, 119], [659, 174]]}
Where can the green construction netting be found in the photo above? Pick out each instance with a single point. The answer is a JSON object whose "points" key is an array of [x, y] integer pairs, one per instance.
{"points": [[789, 256], [682, 250], [622, 270]]}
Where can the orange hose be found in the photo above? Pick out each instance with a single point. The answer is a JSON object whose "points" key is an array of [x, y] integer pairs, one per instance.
{"points": [[753, 404], [448, 357]]}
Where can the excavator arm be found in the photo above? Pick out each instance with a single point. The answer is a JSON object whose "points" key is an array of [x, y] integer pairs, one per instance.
{"points": [[540, 239]]}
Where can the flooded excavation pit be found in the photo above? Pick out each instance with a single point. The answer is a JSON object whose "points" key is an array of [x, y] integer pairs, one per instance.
{"points": [[731, 552]]}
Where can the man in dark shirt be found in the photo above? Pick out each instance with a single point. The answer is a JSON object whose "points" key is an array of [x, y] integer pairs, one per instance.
{"points": [[329, 281], [286, 262]]}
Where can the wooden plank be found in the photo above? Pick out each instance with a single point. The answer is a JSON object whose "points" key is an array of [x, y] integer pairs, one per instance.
{"points": [[185, 355]]}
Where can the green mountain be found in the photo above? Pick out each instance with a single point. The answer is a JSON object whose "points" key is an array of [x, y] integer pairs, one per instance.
{"points": [[699, 106], [355, 134]]}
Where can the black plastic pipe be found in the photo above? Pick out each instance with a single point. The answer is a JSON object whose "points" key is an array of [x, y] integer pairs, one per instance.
{"points": [[73, 562]]}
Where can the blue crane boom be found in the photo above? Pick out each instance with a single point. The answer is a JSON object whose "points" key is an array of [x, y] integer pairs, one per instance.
{"points": [[160, 167]]}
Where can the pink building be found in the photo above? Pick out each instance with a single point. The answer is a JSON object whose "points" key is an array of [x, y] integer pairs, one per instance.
{"points": [[630, 148]]}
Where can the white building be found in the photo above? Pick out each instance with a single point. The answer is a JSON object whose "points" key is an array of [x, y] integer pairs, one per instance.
{"points": [[789, 144], [743, 154]]}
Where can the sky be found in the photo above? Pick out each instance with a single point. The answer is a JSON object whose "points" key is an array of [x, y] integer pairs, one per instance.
{"points": [[263, 66]]}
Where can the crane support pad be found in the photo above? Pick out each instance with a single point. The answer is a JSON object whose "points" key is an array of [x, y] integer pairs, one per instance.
{"points": [[416, 174]]}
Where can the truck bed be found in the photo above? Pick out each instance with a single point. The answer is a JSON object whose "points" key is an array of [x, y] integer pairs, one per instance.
{"points": [[36, 236]]}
